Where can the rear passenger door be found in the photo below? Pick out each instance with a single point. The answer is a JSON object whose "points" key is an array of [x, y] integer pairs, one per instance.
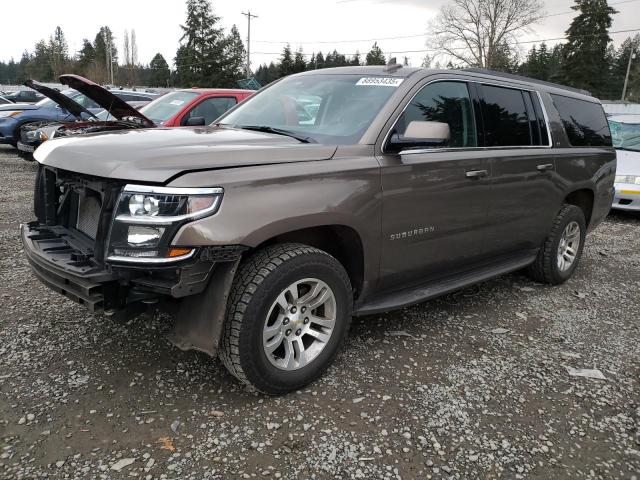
{"points": [[524, 196], [435, 200]]}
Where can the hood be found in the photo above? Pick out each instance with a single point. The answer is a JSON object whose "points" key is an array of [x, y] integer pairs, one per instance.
{"points": [[628, 162], [65, 102], [103, 97], [159, 154]]}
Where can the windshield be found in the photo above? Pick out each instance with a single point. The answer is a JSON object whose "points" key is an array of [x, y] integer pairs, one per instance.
{"points": [[165, 107], [330, 109], [625, 135], [47, 102]]}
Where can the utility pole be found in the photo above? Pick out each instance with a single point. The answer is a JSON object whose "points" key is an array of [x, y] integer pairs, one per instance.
{"points": [[626, 78], [249, 17]]}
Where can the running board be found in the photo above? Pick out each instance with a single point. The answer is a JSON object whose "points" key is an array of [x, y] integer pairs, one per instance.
{"points": [[428, 291]]}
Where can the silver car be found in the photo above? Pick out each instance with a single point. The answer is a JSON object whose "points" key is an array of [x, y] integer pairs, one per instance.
{"points": [[625, 130]]}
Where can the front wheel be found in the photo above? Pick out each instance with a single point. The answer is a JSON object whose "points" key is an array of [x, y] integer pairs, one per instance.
{"points": [[288, 315], [562, 249]]}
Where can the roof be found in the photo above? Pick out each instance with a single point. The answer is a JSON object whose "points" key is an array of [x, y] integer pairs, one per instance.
{"points": [[215, 90], [522, 78], [635, 119], [402, 72]]}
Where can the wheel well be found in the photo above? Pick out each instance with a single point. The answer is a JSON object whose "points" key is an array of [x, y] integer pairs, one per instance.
{"points": [[341, 242], [583, 199]]}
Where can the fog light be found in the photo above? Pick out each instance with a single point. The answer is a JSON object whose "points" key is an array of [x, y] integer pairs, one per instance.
{"points": [[138, 236]]}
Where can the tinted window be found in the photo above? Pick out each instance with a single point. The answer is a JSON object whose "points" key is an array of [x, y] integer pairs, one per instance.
{"points": [[506, 121], [584, 122], [446, 102], [210, 109]]}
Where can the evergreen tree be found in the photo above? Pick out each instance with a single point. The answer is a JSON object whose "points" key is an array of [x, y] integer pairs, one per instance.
{"points": [[86, 57], [320, 63], [59, 52], [585, 63], [621, 63], [355, 60], [235, 55], [299, 63], [201, 57], [159, 71], [286, 62], [375, 56], [38, 65]]}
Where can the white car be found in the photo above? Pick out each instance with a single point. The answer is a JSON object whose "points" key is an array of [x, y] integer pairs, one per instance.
{"points": [[625, 130]]}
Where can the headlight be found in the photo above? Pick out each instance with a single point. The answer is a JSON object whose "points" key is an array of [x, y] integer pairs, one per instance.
{"points": [[627, 179], [147, 218], [12, 113]]}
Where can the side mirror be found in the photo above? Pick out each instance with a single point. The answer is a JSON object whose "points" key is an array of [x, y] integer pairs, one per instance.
{"points": [[194, 122], [420, 134]]}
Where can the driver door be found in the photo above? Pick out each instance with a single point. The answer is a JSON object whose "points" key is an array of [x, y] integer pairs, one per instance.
{"points": [[435, 199]]}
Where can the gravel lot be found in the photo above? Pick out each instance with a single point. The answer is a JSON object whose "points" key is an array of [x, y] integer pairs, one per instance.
{"points": [[473, 385]]}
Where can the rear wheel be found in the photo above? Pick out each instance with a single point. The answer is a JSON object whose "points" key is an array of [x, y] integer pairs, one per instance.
{"points": [[287, 318], [562, 249]]}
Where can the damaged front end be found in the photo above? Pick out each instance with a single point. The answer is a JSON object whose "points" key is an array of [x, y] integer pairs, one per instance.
{"points": [[107, 246]]}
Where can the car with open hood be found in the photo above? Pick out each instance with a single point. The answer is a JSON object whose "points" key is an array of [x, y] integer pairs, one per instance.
{"points": [[108, 112], [14, 116], [329, 193], [625, 130]]}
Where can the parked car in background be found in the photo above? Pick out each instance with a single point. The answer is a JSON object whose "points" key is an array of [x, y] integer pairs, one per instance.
{"points": [[194, 106], [24, 96], [267, 232], [625, 130], [15, 116], [113, 114]]}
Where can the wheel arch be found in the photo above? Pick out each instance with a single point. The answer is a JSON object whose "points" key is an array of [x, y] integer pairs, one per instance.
{"points": [[342, 242], [584, 199]]}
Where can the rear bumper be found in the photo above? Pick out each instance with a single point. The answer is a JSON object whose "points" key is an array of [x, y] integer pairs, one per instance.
{"points": [[627, 197], [62, 260]]}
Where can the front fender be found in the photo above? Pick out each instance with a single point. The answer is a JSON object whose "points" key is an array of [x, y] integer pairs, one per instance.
{"points": [[262, 202]]}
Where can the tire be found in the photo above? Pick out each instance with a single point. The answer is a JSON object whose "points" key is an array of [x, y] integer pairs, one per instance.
{"points": [[257, 298], [547, 266]]}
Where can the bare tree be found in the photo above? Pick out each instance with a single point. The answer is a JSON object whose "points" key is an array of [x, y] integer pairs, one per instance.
{"points": [[126, 49], [478, 33], [134, 48]]}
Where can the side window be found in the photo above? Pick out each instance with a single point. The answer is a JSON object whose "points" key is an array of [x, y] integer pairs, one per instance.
{"points": [[585, 122], [210, 109], [506, 121], [446, 102], [85, 101]]}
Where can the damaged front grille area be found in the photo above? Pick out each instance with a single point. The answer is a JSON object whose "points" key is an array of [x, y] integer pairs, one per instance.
{"points": [[79, 203]]}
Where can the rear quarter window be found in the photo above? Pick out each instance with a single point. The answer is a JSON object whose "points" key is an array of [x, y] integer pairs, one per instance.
{"points": [[585, 122]]}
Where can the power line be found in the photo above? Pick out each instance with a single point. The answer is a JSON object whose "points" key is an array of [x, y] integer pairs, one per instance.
{"points": [[434, 50], [399, 37]]}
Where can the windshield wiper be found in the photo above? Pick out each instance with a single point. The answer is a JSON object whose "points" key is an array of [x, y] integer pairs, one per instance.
{"points": [[277, 131]]}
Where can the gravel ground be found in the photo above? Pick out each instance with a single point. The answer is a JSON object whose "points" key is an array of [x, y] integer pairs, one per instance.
{"points": [[473, 385]]}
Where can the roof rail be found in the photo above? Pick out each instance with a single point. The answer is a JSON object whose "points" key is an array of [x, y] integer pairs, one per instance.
{"points": [[522, 78]]}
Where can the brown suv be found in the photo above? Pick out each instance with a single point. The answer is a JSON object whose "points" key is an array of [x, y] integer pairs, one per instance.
{"points": [[328, 194]]}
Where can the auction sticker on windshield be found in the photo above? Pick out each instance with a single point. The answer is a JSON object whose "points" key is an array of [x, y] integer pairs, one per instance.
{"points": [[380, 81]]}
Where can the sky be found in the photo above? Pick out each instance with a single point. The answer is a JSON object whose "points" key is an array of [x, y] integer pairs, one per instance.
{"points": [[346, 25]]}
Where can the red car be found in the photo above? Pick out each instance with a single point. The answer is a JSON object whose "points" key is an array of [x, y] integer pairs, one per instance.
{"points": [[193, 106]]}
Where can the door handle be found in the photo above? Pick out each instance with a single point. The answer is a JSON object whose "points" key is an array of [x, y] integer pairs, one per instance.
{"points": [[545, 167], [476, 173]]}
